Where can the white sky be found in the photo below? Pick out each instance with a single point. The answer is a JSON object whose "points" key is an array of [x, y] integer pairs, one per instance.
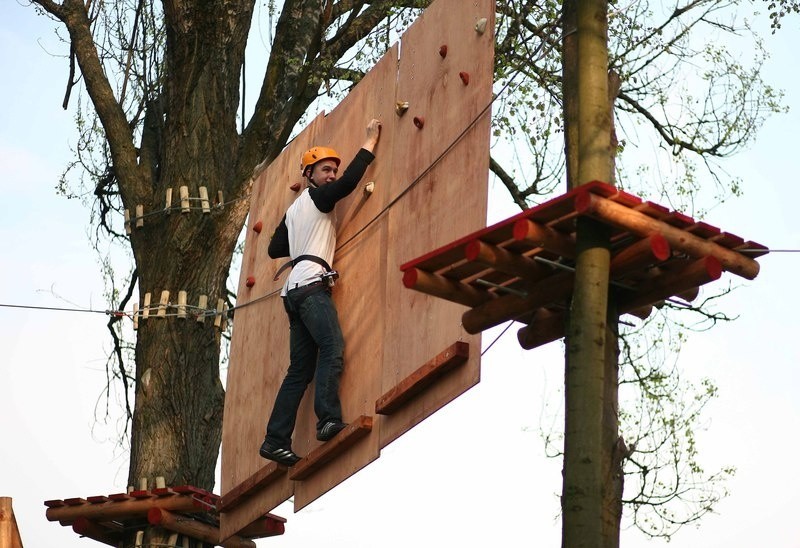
{"points": [[435, 485]]}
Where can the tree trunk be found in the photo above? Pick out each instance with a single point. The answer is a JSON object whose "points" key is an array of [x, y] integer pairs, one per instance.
{"points": [[586, 353]]}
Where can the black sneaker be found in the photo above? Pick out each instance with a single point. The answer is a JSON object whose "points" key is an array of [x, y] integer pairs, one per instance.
{"points": [[285, 457], [330, 429]]}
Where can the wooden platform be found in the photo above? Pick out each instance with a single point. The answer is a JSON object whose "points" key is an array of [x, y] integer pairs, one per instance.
{"points": [[523, 268], [183, 510]]}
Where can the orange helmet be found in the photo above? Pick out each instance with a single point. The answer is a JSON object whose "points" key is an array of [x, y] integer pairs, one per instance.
{"points": [[315, 154]]}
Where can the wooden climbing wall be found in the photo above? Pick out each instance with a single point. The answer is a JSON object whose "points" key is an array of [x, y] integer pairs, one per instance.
{"points": [[430, 177]]}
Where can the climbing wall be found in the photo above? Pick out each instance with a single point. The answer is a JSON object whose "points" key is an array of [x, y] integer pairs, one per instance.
{"points": [[406, 354]]}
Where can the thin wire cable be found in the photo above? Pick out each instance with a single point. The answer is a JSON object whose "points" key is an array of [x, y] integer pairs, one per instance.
{"points": [[56, 308], [433, 164], [503, 332]]}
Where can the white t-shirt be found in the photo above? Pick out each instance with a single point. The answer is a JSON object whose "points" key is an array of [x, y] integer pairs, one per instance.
{"points": [[311, 232]]}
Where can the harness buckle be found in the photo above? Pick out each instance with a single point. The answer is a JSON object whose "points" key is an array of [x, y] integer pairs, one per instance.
{"points": [[330, 278]]}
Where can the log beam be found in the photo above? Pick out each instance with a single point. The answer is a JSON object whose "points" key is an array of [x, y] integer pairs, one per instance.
{"points": [[265, 526], [110, 511], [651, 249], [505, 261], [545, 237], [694, 274], [546, 326], [444, 288], [550, 290], [618, 215], [194, 529], [90, 529]]}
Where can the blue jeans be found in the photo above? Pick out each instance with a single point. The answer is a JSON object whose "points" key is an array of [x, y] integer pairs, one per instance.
{"points": [[315, 345]]}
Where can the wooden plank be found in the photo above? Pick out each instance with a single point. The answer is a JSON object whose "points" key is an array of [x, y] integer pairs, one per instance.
{"points": [[422, 378], [120, 510], [321, 456], [265, 526], [98, 499], [266, 475]]}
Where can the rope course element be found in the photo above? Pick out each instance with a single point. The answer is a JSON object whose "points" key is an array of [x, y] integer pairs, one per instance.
{"points": [[199, 312]]}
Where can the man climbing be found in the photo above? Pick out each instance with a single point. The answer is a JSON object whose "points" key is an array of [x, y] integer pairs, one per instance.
{"points": [[307, 234]]}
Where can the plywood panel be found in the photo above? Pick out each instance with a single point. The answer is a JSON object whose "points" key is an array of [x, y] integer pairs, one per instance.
{"points": [[260, 344], [359, 292], [448, 201], [389, 331]]}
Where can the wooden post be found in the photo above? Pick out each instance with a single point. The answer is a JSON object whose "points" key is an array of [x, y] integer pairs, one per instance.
{"points": [[139, 216], [586, 337], [146, 306], [219, 313], [185, 208], [162, 305], [168, 202], [202, 305], [9, 531], [182, 304], [204, 200]]}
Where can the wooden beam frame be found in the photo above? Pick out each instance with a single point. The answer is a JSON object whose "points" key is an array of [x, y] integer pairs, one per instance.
{"points": [[618, 215], [265, 475], [195, 529], [422, 378], [325, 453]]}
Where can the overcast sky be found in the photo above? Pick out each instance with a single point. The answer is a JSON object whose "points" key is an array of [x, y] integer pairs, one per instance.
{"points": [[434, 485]]}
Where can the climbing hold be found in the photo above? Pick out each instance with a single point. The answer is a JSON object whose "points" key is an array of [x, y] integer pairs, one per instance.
{"points": [[295, 187], [369, 188], [258, 226], [251, 281], [464, 77], [419, 121], [443, 51], [400, 107], [480, 25]]}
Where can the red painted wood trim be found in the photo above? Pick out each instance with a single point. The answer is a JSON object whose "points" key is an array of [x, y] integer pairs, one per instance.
{"points": [[603, 189]]}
